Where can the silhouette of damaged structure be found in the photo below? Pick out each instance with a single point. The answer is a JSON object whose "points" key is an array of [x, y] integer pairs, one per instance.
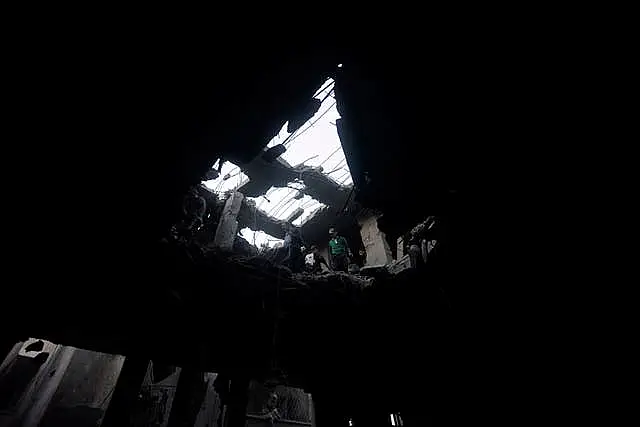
{"points": [[381, 341]]}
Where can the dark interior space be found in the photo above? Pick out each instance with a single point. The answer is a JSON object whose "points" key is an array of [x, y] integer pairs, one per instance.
{"points": [[113, 131]]}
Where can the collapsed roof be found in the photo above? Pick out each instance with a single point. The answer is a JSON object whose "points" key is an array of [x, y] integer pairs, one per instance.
{"points": [[316, 188], [160, 118]]}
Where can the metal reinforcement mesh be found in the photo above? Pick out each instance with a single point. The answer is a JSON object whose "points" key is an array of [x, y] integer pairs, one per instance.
{"points": [[293, 403]]}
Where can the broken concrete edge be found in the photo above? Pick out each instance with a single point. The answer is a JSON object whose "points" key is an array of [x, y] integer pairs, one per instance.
{"points": [[222, 261], [263, 175], [228, 224], [294, 215], [423, 226], [399, 265], [313, 215], [258, 220], [374, 240], [277, 228]]}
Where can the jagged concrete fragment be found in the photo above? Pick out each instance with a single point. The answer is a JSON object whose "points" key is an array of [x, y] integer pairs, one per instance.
{"points": [[294, 215], [400, 265], [374, 240], [264, 175], [258, 220], [228, 225]]}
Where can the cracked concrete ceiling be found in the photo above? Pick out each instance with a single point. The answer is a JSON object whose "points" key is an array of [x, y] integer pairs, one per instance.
{"points": [[279, 189]]}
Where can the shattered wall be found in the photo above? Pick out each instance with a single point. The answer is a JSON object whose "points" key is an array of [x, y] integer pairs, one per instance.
{"points": [[374, 241], [84, 391], [228, 225], [57, 385]]}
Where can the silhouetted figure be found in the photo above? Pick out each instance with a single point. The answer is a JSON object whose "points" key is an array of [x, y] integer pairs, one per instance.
{"points": [[270, 410], [293, 248], [339, 251]]}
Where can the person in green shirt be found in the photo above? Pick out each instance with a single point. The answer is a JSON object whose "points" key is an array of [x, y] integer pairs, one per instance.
{"points": [[339, 251]]}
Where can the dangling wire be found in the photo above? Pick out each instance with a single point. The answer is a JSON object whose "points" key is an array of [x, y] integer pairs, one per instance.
{"points": [[332, 82], [291, 137], [331, 155]]}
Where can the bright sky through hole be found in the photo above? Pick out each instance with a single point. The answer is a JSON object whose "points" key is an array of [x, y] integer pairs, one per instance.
{"points": [[236, 179], [316, 143], [318, 137]]}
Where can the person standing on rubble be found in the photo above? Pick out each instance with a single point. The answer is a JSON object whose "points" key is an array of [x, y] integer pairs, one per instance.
{"points": [[293, 248], [339, 252]]}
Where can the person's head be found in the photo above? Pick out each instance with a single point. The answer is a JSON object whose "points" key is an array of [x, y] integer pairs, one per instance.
{"points": [[272, 400], [333, 232], [314, 249]]}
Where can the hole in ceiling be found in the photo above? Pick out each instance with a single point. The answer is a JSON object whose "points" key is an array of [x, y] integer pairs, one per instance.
{"points": [[282, 202], [259, 238], [231, 178], [316, 143]]}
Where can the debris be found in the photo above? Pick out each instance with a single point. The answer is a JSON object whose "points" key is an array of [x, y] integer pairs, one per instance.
{"points": [[228, 225], [374, 271], [425, 225], [273, 153], [400, 265]]}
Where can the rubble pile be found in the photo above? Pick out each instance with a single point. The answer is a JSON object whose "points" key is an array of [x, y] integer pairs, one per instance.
{"points": [[357, 281], [258, 271]]}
